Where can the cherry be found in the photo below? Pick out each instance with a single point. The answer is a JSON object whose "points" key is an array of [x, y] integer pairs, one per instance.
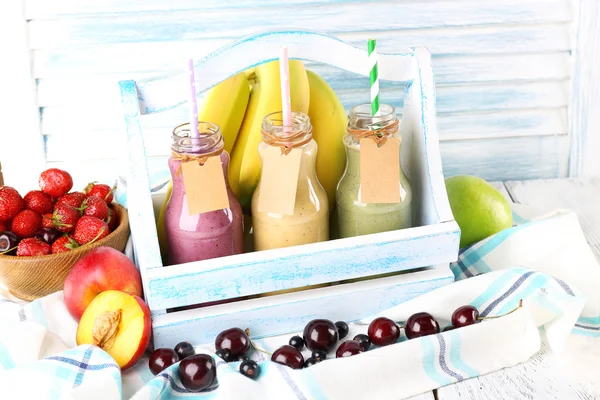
{"points": [[421, 324], [297, 342], [8, 241], [249, 369], [310, 362], [383, 331], [348, 348], [289, 356], [363, 340], [342, 329], [161, 359], [449, 328], [184, 349], [319, 355], [197, 372], [320, 334], [48, 235], [224, 354], [464, 316], [235, 340]]}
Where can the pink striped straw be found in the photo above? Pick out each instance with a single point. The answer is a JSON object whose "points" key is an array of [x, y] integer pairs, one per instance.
{"points": [[194, 134], [286, 102]]}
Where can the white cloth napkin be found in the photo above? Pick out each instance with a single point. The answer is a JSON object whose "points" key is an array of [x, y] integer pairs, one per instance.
{"points": [[545, 262]]}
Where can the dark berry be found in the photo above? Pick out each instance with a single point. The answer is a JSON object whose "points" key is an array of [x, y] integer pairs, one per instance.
{"points": [[224, 354], [364, 341], [319, 355], [184, 349], [250, 369], [320, 334], [348, 348], [310, 362], [48, 235], [383, 331], [342, 329], [197, 372], [449, 328], [464, 316], [289, 356], [421, 324], [235, 340], [297, 342], [8, 241], [161, 359]]}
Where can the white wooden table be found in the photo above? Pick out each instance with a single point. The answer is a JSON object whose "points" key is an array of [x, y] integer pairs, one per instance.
{"points": [[539, 378]]}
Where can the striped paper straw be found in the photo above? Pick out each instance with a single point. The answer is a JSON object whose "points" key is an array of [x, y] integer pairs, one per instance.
{"points": [[373, 78], [284, 73], [194, 134]]}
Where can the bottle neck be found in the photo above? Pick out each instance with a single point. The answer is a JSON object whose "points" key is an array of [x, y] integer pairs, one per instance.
{"points": [[361, 122], [297, 134], [209, 141]]}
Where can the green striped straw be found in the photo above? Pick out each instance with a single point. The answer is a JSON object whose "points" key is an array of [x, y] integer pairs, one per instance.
{"points": [[373, 78]]}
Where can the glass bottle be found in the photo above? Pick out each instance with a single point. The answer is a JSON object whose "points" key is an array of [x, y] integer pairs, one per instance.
{"points": [[355, 217], [309, 222], [206, 235]]}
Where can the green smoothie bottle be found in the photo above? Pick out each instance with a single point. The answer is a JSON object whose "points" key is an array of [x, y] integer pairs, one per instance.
{"points": [[355, 217]]}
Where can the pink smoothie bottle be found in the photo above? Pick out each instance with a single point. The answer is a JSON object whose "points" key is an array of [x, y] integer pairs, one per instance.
{"points": [[206, 235]]}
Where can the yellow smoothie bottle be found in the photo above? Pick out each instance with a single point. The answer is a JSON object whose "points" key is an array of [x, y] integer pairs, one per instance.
{"points": [[308, 221]]}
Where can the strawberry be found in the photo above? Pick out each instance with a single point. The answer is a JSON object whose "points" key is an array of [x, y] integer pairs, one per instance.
{"points": [[55, 182], [33, 247], [48, 221], [11, 203], [63, 244], [90, 229], [65, 218], [4, 226], [95, 207], [112, 220], [38, 201], [26, 223], [73, 199], [100, 190]]}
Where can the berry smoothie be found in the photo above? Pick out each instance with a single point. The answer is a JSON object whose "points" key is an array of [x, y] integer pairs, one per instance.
{"points": [[201, 236]]}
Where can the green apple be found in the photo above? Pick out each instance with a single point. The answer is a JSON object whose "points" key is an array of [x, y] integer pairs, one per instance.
{"points": [[479, 208]]}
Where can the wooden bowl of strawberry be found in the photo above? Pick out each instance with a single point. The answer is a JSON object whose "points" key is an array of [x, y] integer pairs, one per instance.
{"points": [[45, 232]]}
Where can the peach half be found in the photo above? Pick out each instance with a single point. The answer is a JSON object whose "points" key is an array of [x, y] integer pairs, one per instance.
{"points": [[118, 323]]}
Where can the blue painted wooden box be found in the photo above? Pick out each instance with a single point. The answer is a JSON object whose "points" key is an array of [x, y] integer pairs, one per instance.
{"points": [[425, 250]]}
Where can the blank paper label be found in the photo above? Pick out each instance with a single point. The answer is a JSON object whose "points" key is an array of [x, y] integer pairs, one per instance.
{"points": [[205, 188], [380, 171], [279, 181]]}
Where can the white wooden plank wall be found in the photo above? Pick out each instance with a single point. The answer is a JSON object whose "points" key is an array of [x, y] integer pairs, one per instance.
{"points": [[503, 70]]}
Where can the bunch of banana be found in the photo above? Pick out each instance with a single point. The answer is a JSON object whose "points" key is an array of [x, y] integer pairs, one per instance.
{"points": [[238, 106]]}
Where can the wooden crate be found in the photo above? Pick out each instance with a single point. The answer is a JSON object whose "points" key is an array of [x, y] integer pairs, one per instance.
{"points": [[423, 252]]}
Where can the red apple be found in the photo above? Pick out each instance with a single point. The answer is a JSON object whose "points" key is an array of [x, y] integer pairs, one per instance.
{"points": [[119, 324], [101, 269]]}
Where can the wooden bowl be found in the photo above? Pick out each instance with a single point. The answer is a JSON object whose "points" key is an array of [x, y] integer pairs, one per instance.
{"points": [[29, 278]]}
